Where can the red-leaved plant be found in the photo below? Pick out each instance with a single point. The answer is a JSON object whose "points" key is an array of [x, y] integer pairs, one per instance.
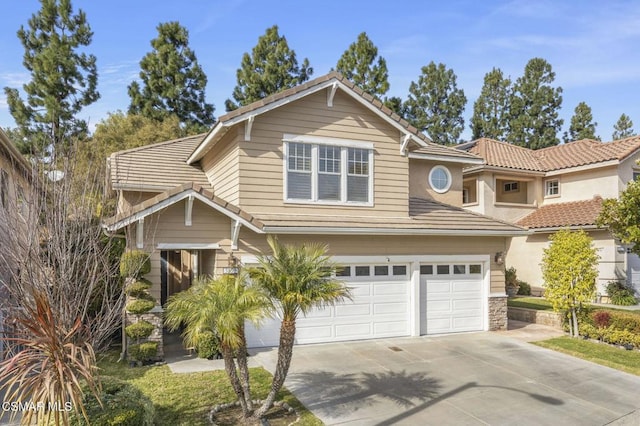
{"points": [[49, 366], [601, 319]]}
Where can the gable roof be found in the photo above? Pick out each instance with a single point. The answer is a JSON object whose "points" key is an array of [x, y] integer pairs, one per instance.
{"points": [[425, 218], [573, 154], [333, 81], [559, 215], [157, 167]]}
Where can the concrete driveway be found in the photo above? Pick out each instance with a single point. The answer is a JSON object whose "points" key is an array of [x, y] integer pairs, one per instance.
{"points": [[468, 379]]}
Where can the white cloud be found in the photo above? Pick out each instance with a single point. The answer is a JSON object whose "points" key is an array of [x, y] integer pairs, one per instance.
{"points": [[14, 79]]}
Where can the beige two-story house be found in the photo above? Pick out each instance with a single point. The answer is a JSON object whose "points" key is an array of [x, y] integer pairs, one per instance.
{"points": [[321, 162], [553, 188]]}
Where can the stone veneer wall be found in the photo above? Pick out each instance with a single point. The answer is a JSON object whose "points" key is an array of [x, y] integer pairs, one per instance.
{"points": [[550, 318], [498, 313], [154, 316]]}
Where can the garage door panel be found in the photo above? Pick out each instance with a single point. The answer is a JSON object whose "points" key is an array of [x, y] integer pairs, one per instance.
{"points": [[465, 286], [353, 309], [392, 328], [315, 332], [439, 287], [389, 308], [434, 306], [353, 331], [470, 305], [326, 312], [384, 289], [359, 289]]}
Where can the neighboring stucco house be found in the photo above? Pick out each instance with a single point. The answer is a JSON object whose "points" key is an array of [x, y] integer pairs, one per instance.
{"points": [[553, 188], [15, 186], [328, 163]]}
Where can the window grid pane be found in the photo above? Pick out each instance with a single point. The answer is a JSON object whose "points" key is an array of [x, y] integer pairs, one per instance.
{"points": [[358, 162], [329, 159], [459, 269], [381, 270], [475, 269], [443, 269], [399, 270], [426, 269], [300, 157], [344, 271], [362, 271]]}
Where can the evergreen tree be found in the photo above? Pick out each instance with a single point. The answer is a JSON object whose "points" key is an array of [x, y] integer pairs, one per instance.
{"points": [[358, 64], [173, 82], [491, 110], [623, 128], [435, 104], [395, 104], [63, 79], [271, 68], [535, 105], [582, 125]]}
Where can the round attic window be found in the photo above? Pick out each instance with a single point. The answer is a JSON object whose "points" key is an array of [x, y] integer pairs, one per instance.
{"points": [[440, 179]]}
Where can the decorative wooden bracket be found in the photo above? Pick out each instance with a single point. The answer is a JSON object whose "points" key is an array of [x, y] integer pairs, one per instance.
{"points": [[235, 233], [140, 233], [247, 127], [188, 211], [405, 142], [331, 93]]}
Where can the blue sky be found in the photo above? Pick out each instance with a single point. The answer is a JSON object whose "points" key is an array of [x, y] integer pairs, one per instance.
{"points": [[593, 46]]}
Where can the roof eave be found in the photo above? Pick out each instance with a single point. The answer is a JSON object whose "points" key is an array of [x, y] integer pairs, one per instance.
{"points": [[551, 229], [392, 231], [204, 146], [446, 158], [490, 168]]}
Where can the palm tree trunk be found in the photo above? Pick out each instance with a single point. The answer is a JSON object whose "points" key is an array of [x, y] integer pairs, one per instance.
{"points": [[230, 368], [285, 352], [243, 367]]}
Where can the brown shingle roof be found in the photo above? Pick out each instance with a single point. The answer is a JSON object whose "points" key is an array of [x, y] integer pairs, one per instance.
{"points": [[430, 148], [425, 217], [157, 167], [112, 223], [572, 154], [558, 215]]}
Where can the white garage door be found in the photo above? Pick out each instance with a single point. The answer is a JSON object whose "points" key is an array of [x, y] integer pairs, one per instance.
{"points": [[380, 308], [451, 298]]}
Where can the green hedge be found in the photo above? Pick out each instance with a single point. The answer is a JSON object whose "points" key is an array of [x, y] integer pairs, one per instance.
{"points": [[144, 351], [135, 263], [140, 306], [123, 405], [139, 330], [619, 328], [138, 288]]}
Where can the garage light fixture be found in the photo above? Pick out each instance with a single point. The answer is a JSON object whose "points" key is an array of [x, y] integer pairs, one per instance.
{"points": [[499, 258]]}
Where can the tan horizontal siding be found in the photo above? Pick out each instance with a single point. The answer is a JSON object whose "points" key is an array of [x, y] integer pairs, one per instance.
{"points": [[221, 166], [261, 161]]}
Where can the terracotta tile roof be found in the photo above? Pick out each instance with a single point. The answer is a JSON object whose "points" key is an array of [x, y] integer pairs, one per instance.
{"points": [[558, 215], [431, 147], [572, 154], [425, 217], [157, 167], [187, 187]]}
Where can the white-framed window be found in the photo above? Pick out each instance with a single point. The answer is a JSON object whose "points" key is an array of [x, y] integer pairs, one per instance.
{"points": [[551, 188], [440, 179], [328, 171], [511, 187]]}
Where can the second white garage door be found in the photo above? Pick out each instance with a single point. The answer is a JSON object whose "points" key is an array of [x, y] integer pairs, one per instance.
{"points": [[451, 298], [380, 308]]}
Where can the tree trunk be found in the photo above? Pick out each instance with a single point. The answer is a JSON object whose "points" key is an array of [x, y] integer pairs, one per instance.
{"points": [[285, 352], [243, 367], [574, 319], [230, 368]]}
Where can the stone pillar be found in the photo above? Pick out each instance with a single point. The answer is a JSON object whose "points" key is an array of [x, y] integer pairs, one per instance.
{"points": [[498, 313]]}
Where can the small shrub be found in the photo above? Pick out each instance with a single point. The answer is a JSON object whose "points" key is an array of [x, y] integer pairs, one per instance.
{"points": [[135, 263], [601, 319], [140, 306], [144, 351], [525, 288], [510, 277], [208, 346], [620, 294], [123, 405], [625, 321], [138, 288], [139, 330]]}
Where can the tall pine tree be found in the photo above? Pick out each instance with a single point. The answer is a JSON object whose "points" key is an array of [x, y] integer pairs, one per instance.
{"points": [[623, 128], [361, 64], [173, 82], [491, 110], [535, 105], [271, 68], [582, 125], [435, 104], [63, 78]]}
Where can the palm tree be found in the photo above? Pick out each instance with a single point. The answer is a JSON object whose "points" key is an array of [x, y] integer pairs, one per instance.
{"points": [[298, 279], [221, 306]]}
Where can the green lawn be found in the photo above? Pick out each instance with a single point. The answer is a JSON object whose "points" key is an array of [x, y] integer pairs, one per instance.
{"points": [[537, 303], [600, 353], [185, 399]]}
